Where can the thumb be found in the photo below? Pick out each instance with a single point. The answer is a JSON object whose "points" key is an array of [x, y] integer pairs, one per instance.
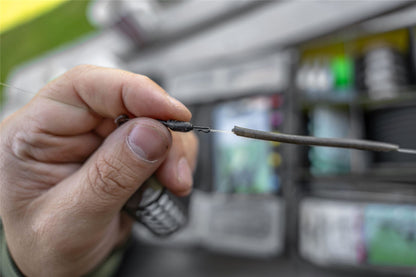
{"points": [[127, 158]]}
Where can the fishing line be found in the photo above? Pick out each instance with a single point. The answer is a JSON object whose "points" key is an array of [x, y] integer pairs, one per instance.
{"points": [[20, 89]]}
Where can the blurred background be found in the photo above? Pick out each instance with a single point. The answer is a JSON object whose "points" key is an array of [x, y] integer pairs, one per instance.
{"points": [[321, 68]]}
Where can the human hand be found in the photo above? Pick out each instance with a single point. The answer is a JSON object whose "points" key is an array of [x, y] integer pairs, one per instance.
{"points": [[66, 172]]}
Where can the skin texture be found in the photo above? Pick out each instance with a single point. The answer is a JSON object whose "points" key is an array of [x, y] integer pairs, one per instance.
{"points": [[67, 171]]}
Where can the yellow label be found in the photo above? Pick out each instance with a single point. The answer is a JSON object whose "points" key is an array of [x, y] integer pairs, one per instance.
{"points": [[15, 12]]}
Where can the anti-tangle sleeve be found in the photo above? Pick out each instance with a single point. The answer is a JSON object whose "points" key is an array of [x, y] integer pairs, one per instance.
{"points": [[308, 140]]}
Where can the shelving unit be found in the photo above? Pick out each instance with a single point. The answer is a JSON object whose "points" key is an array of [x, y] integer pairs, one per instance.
{"points": [[332, 205]]}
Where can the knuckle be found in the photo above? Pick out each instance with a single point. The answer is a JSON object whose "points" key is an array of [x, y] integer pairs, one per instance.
{"points": [[20, 146], [106, 179], [30, 144]]}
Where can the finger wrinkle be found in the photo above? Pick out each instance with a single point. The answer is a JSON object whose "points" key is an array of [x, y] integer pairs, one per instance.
{"points": [[85, 108], [85, 90], [107, 180], [57, 85], [123, 100], [49, 123], [45, 147], [80, 87]]}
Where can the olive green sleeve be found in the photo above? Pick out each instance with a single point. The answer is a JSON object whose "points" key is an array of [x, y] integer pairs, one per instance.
{"points": [[110, 266], [7, 266], [106, 269]]}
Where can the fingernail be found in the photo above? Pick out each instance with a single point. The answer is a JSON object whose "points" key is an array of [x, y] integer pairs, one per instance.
{"points": [[148, 142], [184, 173]]}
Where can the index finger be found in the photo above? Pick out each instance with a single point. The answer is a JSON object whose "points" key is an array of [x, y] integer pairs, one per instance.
{"points": [[87, 94]]}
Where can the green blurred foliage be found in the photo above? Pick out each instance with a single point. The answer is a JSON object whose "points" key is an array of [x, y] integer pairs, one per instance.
{"points": [[31, 39]]}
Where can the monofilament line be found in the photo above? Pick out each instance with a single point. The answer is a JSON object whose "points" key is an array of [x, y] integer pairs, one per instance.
{"points": [[221, 131], [16, 88], [407, 151]]}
